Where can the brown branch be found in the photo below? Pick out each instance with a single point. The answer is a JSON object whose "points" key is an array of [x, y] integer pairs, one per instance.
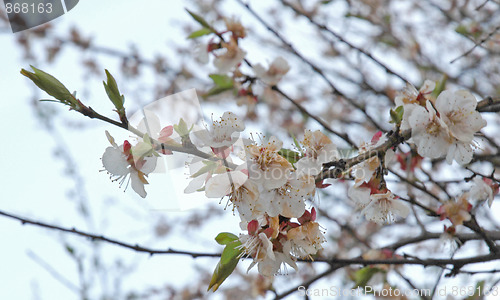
{"points": [[334, 262], [393, 139], [463, 237], [314, 67], [302, 109], [411, 260], [188, 148], [477, 44], [340, 38], [488, 104], [340, 263], [474, 226], [94, 237]]}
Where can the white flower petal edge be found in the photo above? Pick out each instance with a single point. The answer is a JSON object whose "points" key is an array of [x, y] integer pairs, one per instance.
{"points": [[429, 133], [222, 184], [449, 130]]}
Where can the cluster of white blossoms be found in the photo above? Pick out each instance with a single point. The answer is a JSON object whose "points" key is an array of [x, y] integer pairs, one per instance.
{"points": [[444, 127], [268, 193], [271, 188]]}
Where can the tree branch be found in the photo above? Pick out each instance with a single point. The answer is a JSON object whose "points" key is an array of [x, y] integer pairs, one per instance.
{"points": [[314, 67], [95, 237], [340, 38]]}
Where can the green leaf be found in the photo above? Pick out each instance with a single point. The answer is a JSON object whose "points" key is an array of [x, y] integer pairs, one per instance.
{"points": [[215, 91], [296, 143], [51, 86], [182, 129], [225, 238], [362, 276], [397, 115], [440, 86], [222, 84], [70, 249], [462, 29], [222, 81], [198, 33], [290, 155], [113, 93], [200, 20], [206, 168], [228, 262]]}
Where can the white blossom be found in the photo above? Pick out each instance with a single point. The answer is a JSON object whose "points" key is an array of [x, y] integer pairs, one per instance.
{"points": [[481, 191], [306, 239], [364, 171], [230, 59], [270, 267], [223, 133], [289, 200], [266, 167], [319, 150], [410, 98], [121, 164], [379, 206], [278, 68], [458, 111], [449, 130], [429, 133]]}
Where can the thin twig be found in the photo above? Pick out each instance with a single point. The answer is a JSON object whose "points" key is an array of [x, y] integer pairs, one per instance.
{"points": [[343, 136], [315, 68], [53, 272], [95, 237], [340, 38], [477, 44]]}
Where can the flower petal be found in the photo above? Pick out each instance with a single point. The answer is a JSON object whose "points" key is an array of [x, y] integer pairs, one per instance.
{"points": [[115, 161]]}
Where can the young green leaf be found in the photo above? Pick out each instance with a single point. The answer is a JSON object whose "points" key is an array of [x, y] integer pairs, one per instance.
{"points": [[228, 262], [439, 86], [225, 238], [397, 115], [290, 155], [181, 128], [50, 85], [200, 20], [462, 29], [222, 81], [198, 33], [113, 93], [362, 276], [222, 84]]}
